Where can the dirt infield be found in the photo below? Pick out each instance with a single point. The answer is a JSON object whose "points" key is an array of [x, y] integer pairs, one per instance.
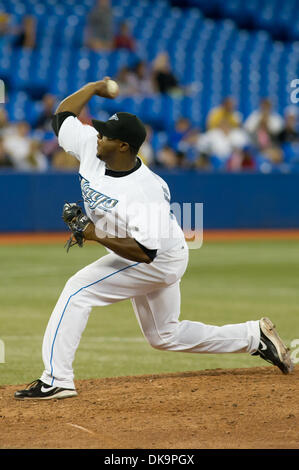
{"points": [[254, 408], [208, 235]]}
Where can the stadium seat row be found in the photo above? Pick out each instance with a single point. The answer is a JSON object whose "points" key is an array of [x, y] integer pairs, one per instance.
{"points": [[214, 57]]}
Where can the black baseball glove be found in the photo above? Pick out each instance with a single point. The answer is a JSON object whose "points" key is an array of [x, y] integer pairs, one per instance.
{"points": [[76, 221]]}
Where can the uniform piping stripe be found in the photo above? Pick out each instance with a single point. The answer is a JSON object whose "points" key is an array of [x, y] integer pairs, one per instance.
{"points": [[72, 295]]}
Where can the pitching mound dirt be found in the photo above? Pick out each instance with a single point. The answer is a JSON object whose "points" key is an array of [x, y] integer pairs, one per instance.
{"points": [[254, 408]]}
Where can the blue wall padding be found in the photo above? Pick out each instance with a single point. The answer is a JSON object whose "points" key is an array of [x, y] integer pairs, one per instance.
{"points": [[32, 202]]}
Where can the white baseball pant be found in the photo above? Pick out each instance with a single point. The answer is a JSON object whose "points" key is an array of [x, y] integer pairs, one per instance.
{"points": [[154, 290]]}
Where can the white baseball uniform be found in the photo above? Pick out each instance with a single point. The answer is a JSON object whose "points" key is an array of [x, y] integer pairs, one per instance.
{"points": [[136, 205]]}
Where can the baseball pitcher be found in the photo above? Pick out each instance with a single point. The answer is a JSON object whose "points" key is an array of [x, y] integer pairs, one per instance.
{"points": [[127, 210]]}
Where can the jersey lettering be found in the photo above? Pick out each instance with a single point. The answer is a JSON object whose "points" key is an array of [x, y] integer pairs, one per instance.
{"points": [[95, 198]]}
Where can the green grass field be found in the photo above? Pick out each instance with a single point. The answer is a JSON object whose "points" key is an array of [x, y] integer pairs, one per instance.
{"points": [[227, 282]]}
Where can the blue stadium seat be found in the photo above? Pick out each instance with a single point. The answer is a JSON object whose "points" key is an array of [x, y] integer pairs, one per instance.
{"points": [[211, 52]]}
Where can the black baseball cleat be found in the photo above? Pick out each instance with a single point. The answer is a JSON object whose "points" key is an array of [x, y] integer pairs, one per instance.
{"points": [[272, 349], [38, 390]]}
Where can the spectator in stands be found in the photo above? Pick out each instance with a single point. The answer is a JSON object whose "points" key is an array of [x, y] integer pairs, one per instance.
{"points": [[124, 38], [141, 79], [181, 160], [181, 130], [184, 138], [24, 152], [271, 120], [44, 119], [43, 123], [264, 127], [5, 161], [167, 157], [266, 143], [225, 112], [219, 143], [242, 159], [26, 35], [4, 124], [64, 161], [146, 150], [100, 27], [164, 80], [288, 137], [289, 133], [125, 82], [202, 163], [136, 80]]}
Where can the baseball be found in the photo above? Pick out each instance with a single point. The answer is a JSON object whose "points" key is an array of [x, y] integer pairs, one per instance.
{"points": [[112, 88]]}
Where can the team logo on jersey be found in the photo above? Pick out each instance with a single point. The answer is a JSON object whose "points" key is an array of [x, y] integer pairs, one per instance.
{"points": [[95, 198], [114, 117]]}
